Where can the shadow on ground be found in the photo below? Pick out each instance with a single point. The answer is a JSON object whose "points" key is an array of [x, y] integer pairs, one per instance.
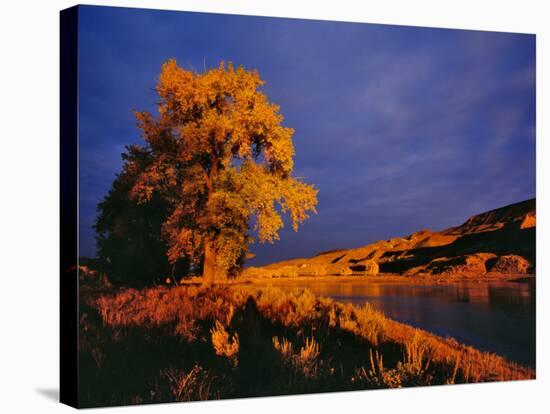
{"points": [[49, 393]]}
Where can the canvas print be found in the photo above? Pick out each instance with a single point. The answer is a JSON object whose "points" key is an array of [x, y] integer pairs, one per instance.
{"points": [[257, 206]]}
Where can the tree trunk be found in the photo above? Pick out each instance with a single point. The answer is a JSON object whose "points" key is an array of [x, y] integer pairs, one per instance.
{"points": [[209, 268]]}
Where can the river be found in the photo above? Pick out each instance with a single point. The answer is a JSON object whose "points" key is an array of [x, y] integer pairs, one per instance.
{"points": [[497, 316]]}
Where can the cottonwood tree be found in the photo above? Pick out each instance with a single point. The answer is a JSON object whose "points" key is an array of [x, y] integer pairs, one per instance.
{"points": [[221, 159]]}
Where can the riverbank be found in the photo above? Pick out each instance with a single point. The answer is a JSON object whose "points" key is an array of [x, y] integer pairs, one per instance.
{"points": [[379, 278], [195, 343]]}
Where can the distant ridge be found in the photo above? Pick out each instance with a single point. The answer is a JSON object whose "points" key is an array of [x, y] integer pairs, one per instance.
{"points": [[497, 218], [479, 245]]}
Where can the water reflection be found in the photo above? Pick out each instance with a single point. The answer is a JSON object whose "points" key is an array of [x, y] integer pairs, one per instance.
{"points": [[494, 316]]}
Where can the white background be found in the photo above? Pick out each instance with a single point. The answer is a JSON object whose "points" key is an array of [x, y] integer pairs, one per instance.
{"points": [[29, 216]]}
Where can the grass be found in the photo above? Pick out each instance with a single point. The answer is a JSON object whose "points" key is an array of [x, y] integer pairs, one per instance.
{"points": [[187, 343]]}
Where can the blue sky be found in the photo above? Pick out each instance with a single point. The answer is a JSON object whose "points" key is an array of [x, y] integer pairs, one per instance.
{"points": [[400, 128]]}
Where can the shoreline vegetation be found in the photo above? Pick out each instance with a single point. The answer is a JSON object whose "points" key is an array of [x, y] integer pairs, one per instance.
{"points": [[187, 343], [379, 278]]}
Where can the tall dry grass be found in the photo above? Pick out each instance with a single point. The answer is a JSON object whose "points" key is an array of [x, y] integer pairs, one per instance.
{"points": [[189, 343]]}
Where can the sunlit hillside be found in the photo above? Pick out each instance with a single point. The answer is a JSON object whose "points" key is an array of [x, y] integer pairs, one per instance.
{"points": [[497, 242]]}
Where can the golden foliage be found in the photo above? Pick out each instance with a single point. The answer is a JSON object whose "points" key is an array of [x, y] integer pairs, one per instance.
{"points": [[284, 347], [189, 386], [219, 154], [304, 361], [223, 344], [416, 350]]}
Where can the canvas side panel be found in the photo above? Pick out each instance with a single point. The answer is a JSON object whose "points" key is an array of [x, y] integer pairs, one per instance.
{"points": [[69, 206]]}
